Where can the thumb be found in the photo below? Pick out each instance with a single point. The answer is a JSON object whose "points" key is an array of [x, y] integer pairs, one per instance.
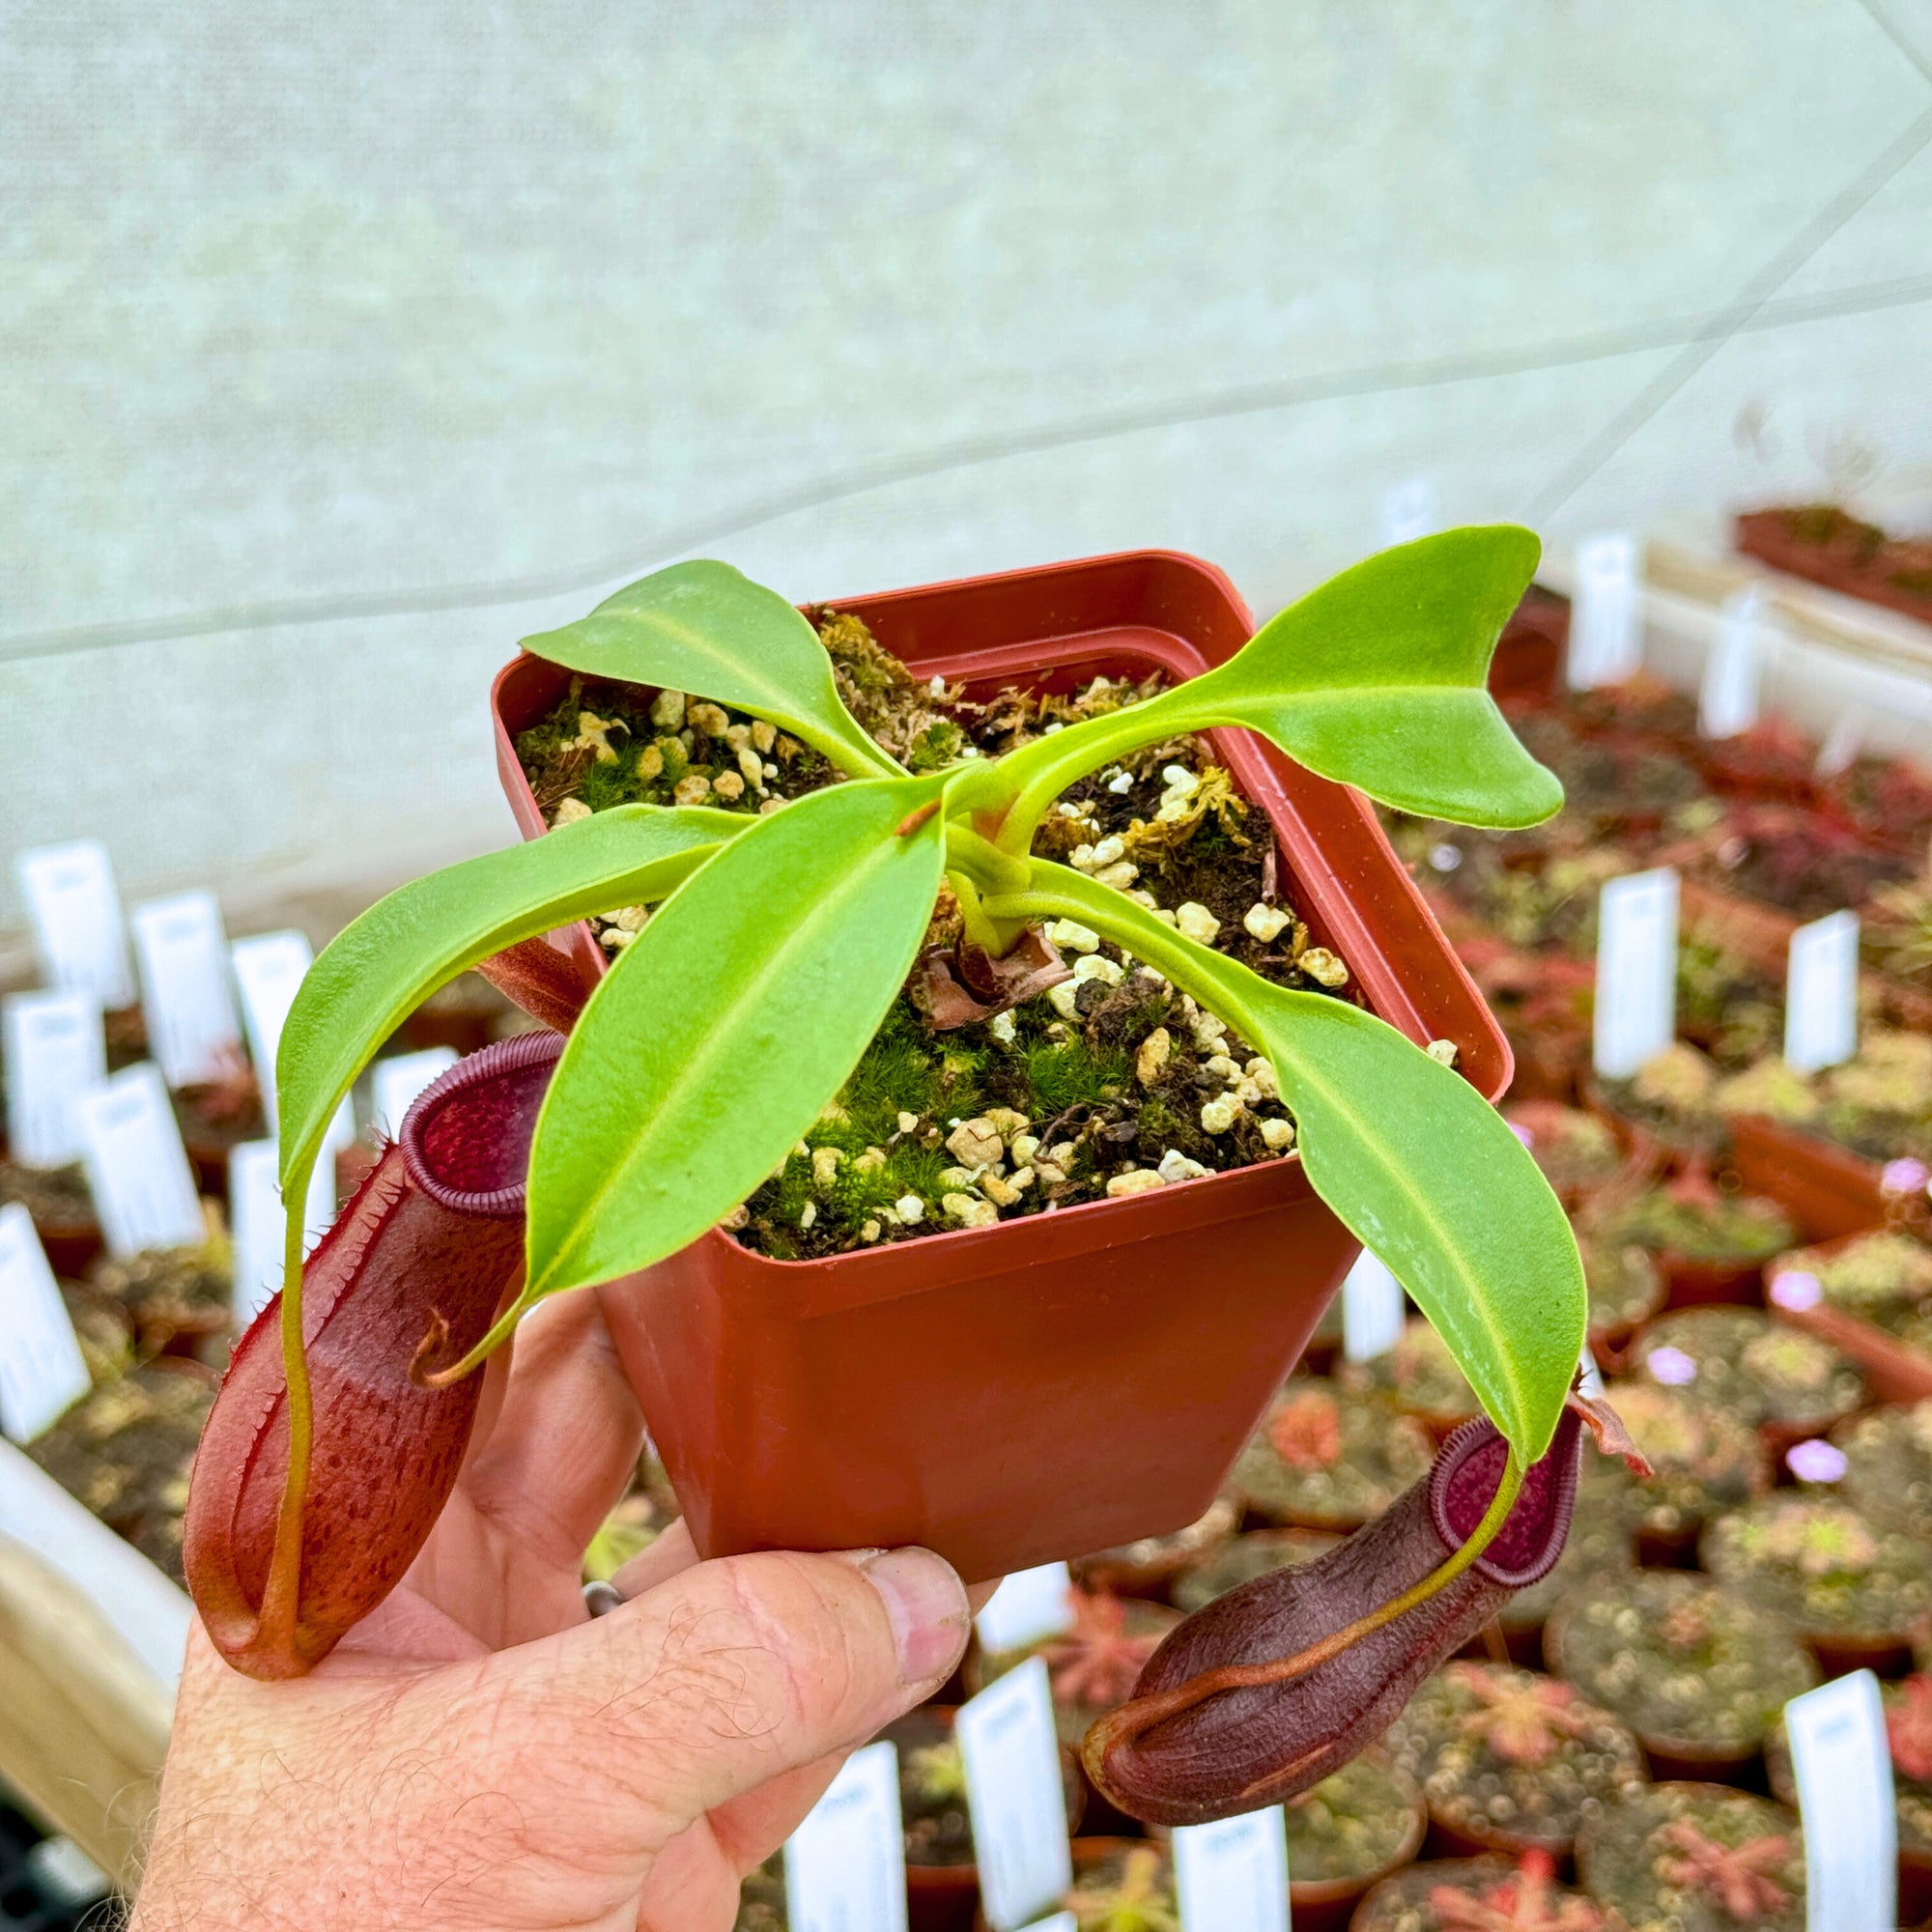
{"points": [[738, 1670]]}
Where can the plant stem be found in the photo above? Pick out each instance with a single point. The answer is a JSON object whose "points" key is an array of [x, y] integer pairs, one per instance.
{"points": [[1023, 783], [1057, 892], [982, 862], [281, 1594], [993, 936]]}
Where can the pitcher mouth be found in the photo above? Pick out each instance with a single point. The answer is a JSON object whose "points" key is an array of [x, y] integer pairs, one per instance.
{"points": [[1467, 1470], [466, 1141]]}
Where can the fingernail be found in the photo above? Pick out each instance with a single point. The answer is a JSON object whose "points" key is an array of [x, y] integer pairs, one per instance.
{"points": [[926, 1603]]}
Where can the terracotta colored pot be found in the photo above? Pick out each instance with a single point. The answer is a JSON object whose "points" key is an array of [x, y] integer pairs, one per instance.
{"points": [[1827, 1189], [1529, 654], [1326, 1905], [71, 1246], [1667, 1757], [1690, 1283], [1892, 1371], [941, 1898], [1060, 1383], [946, 1898], [1768, 535]]}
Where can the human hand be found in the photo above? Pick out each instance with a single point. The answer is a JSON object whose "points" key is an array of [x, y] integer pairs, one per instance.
{"points": [[480, 1753]]}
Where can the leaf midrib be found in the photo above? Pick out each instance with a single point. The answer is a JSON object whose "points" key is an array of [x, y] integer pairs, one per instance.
{"points": [[720, 1039], [1474, 1298]]}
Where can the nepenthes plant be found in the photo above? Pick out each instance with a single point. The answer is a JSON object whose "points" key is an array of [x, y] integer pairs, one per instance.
{"points": [[778, 943]]}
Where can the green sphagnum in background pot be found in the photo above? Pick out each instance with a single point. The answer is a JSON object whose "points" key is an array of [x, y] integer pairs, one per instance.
{"points": [[1889, 1466], [781, 940], [1762, 1371], [1698, 1673], [1697, 1857], [1843, 1579], [1328, 1457]]}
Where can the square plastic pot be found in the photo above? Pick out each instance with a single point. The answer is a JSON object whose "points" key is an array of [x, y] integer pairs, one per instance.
{"points": [[1065, 1382]]}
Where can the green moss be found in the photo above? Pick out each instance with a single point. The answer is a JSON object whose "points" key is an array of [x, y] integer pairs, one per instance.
{"points": [[936, 747], [1070, 1074], [896, 1075]]}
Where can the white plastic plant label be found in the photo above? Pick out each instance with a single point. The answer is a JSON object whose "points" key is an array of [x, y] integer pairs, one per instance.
{"points": [[1590, 1378], [1028, 1605], [137, 1166], [1843, 743], [1061, 1922], [1410, 509], [1727, 694], [396, 1082], [1013, 1792], [1606, 642], [845, 1867], [255, 1212], [182, 955], [42, 1371], [269, 970], [1842, 1765], [1636, 970], [1372, 1309], [1821, 993], [75, 912], [1232, 1876], [55, 1051]]}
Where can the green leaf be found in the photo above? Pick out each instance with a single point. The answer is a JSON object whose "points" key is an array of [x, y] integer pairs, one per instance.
{"points": [[1376, 680], [1423, 1172], [707, 629], [382, 965], [722, 1031], [1416, 1164]]}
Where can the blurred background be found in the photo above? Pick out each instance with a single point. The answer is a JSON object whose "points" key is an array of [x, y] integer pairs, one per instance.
{"points": [[346, 346]]}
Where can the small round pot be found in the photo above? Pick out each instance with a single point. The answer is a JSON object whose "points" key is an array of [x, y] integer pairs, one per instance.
{"points": [[1693, 1283], [1697, 1760], [71, 1247], [1326, 1905], [1886, 1652], [1088, 1849]]}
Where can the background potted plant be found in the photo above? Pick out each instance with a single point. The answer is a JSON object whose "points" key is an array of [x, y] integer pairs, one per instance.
{"points": [[1700, 1856], [1511, 1760], [1327, 1457], [1699, 1675]]}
